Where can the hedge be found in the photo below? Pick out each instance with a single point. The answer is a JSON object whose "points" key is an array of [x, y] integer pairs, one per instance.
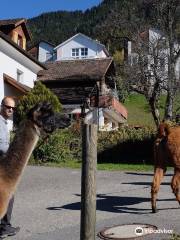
{"points": [[127, 145]]}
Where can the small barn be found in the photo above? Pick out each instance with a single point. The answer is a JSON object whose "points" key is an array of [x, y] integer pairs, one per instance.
{"points": [[79, 81]]}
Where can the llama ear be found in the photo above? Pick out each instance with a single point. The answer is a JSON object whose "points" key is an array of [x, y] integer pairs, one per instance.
{"points": [[47, 106], [40, 111], [36, 108]]}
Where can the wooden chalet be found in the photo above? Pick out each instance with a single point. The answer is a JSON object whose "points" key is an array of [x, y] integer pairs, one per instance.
{"points": [[78, 81], [74, 80]]}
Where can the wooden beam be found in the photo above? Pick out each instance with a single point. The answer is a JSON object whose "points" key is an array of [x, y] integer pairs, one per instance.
{"points": [[88, 182]]}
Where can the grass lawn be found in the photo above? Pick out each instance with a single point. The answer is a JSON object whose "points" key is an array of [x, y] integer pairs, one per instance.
{"points": [[138, 114], [106, 166], [139, 111]]}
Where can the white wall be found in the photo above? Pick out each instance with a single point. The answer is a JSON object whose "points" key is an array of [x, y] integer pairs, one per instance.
{"points": [[154, 35], [44, 49], [177, 69], [9, 66], [11, 91], [129, 48], [1, 85], [94, 49]]}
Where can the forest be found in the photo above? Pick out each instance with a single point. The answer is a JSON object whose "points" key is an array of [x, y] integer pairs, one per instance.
{"points": [[110, 22], [113, 22]]}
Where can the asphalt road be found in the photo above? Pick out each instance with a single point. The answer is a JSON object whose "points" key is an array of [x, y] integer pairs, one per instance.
{"points": [[47, 203]]}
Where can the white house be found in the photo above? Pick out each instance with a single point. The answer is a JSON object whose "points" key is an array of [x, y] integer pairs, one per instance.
{"points": [[79, 60], [157, 47], [18, 69], [43, 51], [78, 46]]}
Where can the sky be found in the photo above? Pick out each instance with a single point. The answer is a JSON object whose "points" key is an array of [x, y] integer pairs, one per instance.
{"points": [[32, 8]]}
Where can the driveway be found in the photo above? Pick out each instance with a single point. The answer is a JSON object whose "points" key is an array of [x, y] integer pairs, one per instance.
{"points": [[47, 203]]}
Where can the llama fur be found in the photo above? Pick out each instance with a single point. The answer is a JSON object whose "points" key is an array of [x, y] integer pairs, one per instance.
{"points": [[39, 119], [166, 150]]}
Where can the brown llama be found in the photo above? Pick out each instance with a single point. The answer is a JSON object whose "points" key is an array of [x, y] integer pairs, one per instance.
{"points": [[40, 119], [166, 150]]}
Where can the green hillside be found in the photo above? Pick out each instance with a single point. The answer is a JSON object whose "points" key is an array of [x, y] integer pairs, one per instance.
{"points": [[109, 22], [138, 109]]}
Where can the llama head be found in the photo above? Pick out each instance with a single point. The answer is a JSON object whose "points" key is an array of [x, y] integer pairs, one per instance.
{"points": [[44, 117]]}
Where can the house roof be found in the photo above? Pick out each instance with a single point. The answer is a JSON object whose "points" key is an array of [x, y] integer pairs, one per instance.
{"points": [[33, 51], [25, 53], [83, 35], [53, 45], [74, 80], [21, 87], [35, 45], [84, 69], [144, 35], [13, 23]]}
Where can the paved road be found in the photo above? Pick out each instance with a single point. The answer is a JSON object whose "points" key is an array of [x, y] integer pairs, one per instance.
{"points": [[47, 203]]}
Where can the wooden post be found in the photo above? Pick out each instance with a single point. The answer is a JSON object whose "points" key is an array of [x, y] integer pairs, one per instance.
{"points": [[88, 181]]}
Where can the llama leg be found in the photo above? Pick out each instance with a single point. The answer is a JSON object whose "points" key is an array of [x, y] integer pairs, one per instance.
{"points": [[175, 184], [158, 176], [4, 201]]}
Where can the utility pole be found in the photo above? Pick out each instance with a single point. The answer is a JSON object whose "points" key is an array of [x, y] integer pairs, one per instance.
{"points": [[88, 177]]}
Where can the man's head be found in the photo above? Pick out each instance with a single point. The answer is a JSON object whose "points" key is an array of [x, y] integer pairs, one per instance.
{"points": [[7, 107]]}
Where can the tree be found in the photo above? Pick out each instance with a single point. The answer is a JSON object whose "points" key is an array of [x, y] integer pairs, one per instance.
{"points": [[151, 70], [167, 15], [146, 70], [39, 93]]}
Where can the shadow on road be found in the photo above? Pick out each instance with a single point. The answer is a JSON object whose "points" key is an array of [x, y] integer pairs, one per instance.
{"points": [[145, 174], [144, 183], [115, 204]]}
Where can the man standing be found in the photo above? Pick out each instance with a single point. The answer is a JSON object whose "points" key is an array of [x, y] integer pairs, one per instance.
{"points": [[7, 109]]}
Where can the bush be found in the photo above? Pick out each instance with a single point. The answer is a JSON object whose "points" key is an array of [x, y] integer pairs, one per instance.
{"points": [[127, 145], [61, 146], [38, 94]]}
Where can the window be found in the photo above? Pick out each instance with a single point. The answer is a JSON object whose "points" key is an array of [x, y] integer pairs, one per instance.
{"points": [[79, 52], [75, 52], [20, 41], [84, 52], [162, 64], [49, 56], [19, 75]]}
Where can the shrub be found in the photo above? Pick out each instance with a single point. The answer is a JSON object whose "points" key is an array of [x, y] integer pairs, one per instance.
{"points": [[127, 145], [124, 134], [37, 94], [61, 146]]}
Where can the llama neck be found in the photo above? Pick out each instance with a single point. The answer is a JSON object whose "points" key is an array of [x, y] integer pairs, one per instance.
{"points": [[20, 149]]}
